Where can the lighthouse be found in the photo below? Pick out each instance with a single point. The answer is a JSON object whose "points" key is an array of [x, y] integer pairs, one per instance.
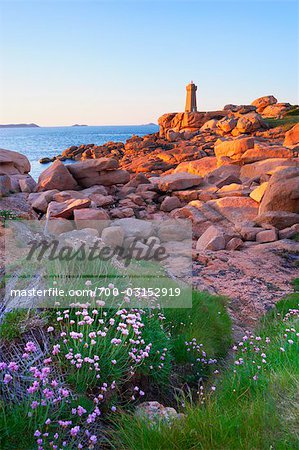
{"points": [[191, 98]]}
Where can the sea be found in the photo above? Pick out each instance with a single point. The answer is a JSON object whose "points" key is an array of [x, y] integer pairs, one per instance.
{"points": [[42, 142]]}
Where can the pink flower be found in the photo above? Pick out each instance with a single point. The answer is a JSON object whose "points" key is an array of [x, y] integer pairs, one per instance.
{"points": [[13, 366], [81, 410], [93, 439], [56, 349], [7, 378], [30, 347], [113, 408], [74, 431], [3, 365]]}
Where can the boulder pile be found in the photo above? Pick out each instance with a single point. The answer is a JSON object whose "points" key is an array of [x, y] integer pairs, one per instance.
{"points": [[237, 183], [14, 173]]}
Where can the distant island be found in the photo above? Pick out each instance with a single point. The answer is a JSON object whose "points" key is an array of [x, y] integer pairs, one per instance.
{"points": [[20, 125], [78, 125]]}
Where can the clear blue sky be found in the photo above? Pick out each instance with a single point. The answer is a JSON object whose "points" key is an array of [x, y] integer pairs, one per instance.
{"points": [[127, 62]]}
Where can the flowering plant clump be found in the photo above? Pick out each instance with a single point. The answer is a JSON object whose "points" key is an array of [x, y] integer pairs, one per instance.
{"points": [[97, 353], [91, 363], [257, 355], [200, 357]]}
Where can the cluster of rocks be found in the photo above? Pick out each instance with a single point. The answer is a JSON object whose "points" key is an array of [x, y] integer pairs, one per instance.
{"points": [[267, 106], [14, 173], [233, 198], [236, 182], [185, 137]]}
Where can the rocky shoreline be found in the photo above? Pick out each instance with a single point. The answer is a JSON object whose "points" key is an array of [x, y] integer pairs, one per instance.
{"points": [[233, 177]]}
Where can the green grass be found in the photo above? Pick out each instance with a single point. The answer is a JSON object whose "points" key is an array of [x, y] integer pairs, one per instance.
{"points": [[243, 413], [16, 429], [287, 122], [13, 324], [209, 323]]}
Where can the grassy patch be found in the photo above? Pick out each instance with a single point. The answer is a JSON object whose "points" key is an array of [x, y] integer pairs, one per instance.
{"points": [[207, 321], [13, 324], [255, 405], [286, 122]]}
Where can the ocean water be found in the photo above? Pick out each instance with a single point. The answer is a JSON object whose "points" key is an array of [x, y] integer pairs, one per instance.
{"points": [[37, 143]]}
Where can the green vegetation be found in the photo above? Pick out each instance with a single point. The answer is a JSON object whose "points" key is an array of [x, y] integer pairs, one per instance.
{"points": [[286, 122], [208, 323], [255, 405], [13, 324], [91, 333], [6, 214]]}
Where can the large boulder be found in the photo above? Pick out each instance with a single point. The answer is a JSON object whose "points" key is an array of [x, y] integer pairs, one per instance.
{"points": [[200, 167], [58, 226], [249, 123], [266, 236], [178, 181], [191, 121], [164, 123], [268, 166], [235, 209], [232, 148], [276, 110], [62, 196], [240, 109], [5, 185], [83, 168], [277, 219], [13, 163], [292, 137], [222, 174], [227, 124], [97, 219], [262, 151], [282, 193], [56, 176], [113, 236], [210, 125], [27, 184], [262, 102], [137, 228], [39, 201], [212, 239], [66, 209], [102, 171], [170, 203]]}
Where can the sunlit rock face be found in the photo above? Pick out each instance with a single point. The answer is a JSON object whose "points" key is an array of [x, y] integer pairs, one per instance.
{"points": [[191, 121]]}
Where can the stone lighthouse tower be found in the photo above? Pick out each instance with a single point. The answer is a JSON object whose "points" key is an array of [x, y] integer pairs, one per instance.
{"points": [[191, 98]]}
